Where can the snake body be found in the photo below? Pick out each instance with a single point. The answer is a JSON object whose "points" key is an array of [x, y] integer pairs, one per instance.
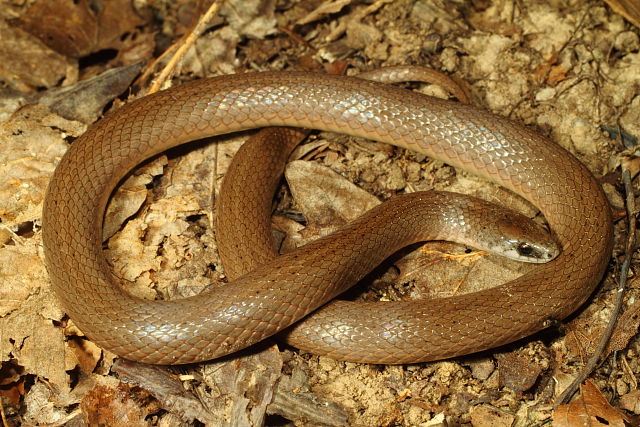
{"points": [[273, 297]]}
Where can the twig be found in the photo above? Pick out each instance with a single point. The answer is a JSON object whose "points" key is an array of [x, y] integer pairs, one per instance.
{"points": [[199, 28], [297, 38], [606, 336], [5, 423], [146, 74], [151, 67]]}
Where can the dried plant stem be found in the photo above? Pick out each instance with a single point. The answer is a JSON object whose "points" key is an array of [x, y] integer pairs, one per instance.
{"points": [[187, 42], [606, 336]]}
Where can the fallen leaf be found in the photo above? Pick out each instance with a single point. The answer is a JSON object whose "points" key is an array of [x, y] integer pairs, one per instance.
{"points": [[589, 409], [130, 196], [85, 100], [557, 74], [630, 9], [252, 18], [488, 416], [116, 405], [324, 196], [76, 29], [517, 371], [626, 328], [324, 9], [32, 141], [631, 401], [583, 336], [25, 72]]}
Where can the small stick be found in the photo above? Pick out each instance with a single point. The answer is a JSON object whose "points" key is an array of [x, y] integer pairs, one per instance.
{"points": [[197, 30], [149, 69], [606, 336], [5, 423]]}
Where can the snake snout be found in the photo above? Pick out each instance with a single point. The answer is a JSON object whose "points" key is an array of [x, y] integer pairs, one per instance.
{"points": [[518, 237]]}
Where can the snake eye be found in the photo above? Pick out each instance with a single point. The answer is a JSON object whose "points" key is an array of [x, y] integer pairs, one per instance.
{"points": [[524, 249]]}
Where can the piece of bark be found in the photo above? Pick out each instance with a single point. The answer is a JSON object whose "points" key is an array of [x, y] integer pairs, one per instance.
{"points": [[304, 407], [165, 387]]}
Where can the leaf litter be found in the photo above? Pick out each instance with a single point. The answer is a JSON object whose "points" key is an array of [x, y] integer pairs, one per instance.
{"points": [[563, 69]]}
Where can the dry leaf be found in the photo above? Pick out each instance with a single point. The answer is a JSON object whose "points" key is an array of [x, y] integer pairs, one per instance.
{"points": [[557, 74], [130, 196], [630, 9], [29, 337], [589, 409], [252, 18], [325, 8], [517, 371], [77, 29], [631, 402], [488, 416], [26, 72], [626, 328], [114, 403], [85, 100], [32, 141], [584, 336], [325, 197]]}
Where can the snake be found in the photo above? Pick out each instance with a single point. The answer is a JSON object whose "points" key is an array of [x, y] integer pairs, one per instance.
{"points": [[287, 289]]}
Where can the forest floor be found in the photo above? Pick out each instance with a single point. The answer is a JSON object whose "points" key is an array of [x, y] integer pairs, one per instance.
{"points": [[569, 69]]}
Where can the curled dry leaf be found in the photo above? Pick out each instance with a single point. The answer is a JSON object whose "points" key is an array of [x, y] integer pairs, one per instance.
{"points": [[589, 409]]}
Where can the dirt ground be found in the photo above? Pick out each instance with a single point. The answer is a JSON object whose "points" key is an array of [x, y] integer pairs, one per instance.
{"points": [[568, 68]]}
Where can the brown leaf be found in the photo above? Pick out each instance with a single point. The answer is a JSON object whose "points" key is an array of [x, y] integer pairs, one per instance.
{"points": [[589, 409], [557, 74], [325, 8], [626, 328], [105, 404], [517, 371], [75, 29], [630, 9], [631, 401], [325, 197], [69, 28], [488, 416], [584, 336], [26, 72]]}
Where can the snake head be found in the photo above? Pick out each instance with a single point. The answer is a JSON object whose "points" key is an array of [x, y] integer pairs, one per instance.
{"points": [[518, 237]]}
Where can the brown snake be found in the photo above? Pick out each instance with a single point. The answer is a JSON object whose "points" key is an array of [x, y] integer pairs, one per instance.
{"points": [[273, 297]]}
